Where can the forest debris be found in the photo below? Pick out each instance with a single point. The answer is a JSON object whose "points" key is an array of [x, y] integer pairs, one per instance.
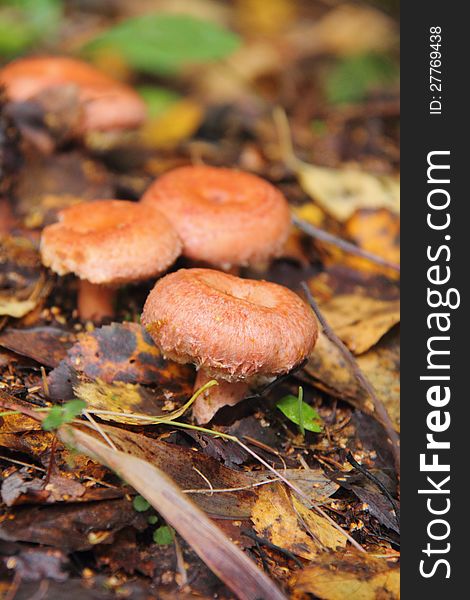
{"points": [[379, 409], [19, 487], [120, 354], [231, 565], [123, 352], [192, 470], [126, 400], [353, 576], [36, 564], [23, 284], [46, 345], [46, 184], [377, 502], [380, 364], [71, 527], [338, 191], [377, 231], [347, 29], [287, 523], [179, 122], [361, 321], [342, 191]]}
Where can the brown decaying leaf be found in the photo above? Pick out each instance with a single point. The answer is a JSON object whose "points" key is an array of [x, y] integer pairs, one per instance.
{"points": [[46, 345], [73, 527], [191, 469], [122, 399], [121, 353], [380, 364], [23, 283], [353, 576], [49, 183], [225, 559], [287, 523]]}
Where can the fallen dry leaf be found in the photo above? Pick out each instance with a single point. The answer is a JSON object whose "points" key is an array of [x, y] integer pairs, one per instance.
{"points": [[355, 577], [73, 527], [23, 283], [377, 231], [380, 364], [176, 124], [287, 523], [340, 192], [120, 353], [46, 345], [120, 398], [47, 184], [359, 320]]}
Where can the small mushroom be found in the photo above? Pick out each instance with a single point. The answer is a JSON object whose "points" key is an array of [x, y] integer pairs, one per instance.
{"points": [[225, 217], [106, 104], [107, 243], [234, 330]]}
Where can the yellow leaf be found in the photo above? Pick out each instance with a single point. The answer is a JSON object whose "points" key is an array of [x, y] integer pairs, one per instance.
{"points": [[287, 523], [319, 528], [351, 577], [360, 321], [176, 124], [258, 17], [342, 191]]}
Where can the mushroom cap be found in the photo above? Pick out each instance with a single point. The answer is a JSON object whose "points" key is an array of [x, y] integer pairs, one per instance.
{"points": [[224, 217], [232, 328], [107, 104], [110, 242]]}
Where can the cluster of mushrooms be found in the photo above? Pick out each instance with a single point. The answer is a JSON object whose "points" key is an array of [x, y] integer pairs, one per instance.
{"points": [[238, 331]]}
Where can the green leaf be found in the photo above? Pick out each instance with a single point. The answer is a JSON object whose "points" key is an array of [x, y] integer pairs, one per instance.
{"points": [[140, 504], [352, 77], [153, 519], [300, 413], [163, 43], [60, 415], [26, 22], [157, 99], [163, 536]]}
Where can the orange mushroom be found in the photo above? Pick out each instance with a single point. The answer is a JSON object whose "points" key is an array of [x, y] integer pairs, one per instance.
{"points": [[106, 104], [234, 330], [107, 243], [224, 217]]}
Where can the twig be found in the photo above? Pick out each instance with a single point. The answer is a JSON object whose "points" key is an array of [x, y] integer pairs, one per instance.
{"points": [[379, 408], [268, 544], [325, 236], [99, 429], [205, 479], [241, 488], [352, 461], [50, 466]]}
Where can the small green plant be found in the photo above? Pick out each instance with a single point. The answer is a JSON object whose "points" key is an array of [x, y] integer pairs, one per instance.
{"points": [[352, 77], [300, 413], [23, 23], [163, 535], [140, 504], [60, 415]]}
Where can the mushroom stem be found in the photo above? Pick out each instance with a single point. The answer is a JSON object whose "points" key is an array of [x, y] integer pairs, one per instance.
{"points": [[95, 302], [227, 393]]}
